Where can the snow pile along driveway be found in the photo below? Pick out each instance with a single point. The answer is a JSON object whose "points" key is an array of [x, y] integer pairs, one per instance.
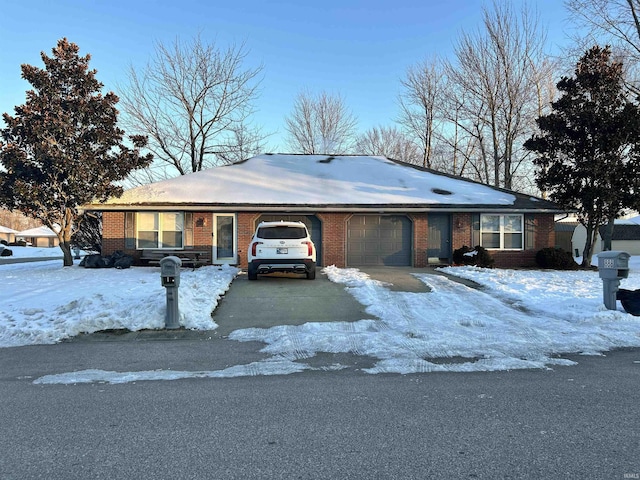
{"points": [[523, 319]]}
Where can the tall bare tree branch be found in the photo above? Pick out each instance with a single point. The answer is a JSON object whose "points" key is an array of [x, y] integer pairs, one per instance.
{"points": [[389, 142], [422, 92], [320, 124], [499, 72], [193, 100], [613, 22]]}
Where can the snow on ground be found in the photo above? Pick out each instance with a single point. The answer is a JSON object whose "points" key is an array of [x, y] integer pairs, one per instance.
{"points": [[518, 319], [33, 252], [43, 303]]}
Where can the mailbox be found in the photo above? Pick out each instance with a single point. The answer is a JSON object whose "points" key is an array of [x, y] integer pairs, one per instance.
{"points": [[170, 271], [170, 278], [613, 266]]}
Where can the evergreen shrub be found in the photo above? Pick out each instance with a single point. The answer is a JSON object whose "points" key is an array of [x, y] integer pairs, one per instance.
{"points": [[478, 256], [555, 259]]}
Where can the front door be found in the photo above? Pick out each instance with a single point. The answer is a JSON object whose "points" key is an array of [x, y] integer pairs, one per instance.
{"points": [[224, 238], [439, 247]]}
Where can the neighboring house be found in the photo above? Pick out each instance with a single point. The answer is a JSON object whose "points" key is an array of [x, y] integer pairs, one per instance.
{"points": [[7, 234], [361, 211], [39, 237], [565, 227], [626, 237]]}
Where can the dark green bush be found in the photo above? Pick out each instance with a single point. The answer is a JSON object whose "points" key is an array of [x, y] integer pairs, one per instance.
{"points": [[478, 256], [555, 259]]}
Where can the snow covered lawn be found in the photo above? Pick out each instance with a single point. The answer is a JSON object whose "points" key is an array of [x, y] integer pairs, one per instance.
{"points": [[43, 303], [33, 252], [519, 319]]}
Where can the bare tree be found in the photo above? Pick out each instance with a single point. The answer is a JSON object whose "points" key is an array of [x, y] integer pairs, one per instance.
{"points": [[193, 100], [320, 124], [389, 142], [419, 102], [458, 140], [614, 22], [497, 72], [16, 220], [249, 141]]}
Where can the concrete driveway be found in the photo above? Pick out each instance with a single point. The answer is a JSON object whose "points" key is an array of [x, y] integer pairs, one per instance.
{"points": [[282, 299]]}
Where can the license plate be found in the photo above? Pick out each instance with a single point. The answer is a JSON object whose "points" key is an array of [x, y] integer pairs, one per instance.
{"points": [[282, 251]]}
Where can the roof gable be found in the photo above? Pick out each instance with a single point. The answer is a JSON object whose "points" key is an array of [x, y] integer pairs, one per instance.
{"points": [[37, 232], [7, 230]]}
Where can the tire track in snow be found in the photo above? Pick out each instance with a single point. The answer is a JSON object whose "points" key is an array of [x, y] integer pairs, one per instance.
{"points": [[451, 328]]}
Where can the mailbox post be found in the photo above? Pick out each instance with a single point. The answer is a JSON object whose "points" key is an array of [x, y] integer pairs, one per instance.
{"points": [[613, 266], [170, 279]]}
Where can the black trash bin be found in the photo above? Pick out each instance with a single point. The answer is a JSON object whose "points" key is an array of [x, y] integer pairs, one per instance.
{"points": [[630, 300]]}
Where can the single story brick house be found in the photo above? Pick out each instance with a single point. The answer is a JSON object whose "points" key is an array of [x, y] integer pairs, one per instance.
{"points": [[361, 211]]}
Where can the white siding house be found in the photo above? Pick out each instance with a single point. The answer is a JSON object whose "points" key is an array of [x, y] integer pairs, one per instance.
{"points": [[626, 237]]}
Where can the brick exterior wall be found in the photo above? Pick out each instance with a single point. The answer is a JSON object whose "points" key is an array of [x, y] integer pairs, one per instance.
{"points": [[202, 234], [461, 233], [247, 223], [334, 237], [113, 233], [544, 236], [420, 239]]}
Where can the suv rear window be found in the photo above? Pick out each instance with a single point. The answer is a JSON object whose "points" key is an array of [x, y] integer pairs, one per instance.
{"points": [[270, 233]]}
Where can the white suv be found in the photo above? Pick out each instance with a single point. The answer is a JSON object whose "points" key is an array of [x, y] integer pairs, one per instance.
{"points": [[282, 247]]}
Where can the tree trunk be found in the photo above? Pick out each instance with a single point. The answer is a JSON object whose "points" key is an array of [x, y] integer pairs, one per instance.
{"points": [[64, 237], [67, 255], [608, 235], [589, 245]]}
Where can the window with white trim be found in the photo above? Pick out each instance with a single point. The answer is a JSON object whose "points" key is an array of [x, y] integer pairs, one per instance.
{"points": [[159, 230], [503, 232]]}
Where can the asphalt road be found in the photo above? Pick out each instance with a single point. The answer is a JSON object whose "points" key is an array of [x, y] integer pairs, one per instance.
{"points": [[577, 422]]}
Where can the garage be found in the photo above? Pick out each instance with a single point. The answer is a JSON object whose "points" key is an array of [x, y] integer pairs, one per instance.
{"points": [[311, 221], [379, 240]]}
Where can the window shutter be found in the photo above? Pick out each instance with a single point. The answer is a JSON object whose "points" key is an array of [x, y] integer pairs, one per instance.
{"points": [[529, 231], [188, 229], [129, 230], [475, 230]]}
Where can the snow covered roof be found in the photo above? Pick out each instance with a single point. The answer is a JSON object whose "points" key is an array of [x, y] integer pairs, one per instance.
{"points": [[628, 221], [321, 181], [37, 232], [7, 230]]}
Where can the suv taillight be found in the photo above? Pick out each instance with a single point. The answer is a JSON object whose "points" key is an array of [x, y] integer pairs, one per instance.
{"points": [[309, 248], [254, 245]]}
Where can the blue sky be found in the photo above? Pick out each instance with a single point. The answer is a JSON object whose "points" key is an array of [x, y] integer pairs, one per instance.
{"points": [[359, 49]]}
